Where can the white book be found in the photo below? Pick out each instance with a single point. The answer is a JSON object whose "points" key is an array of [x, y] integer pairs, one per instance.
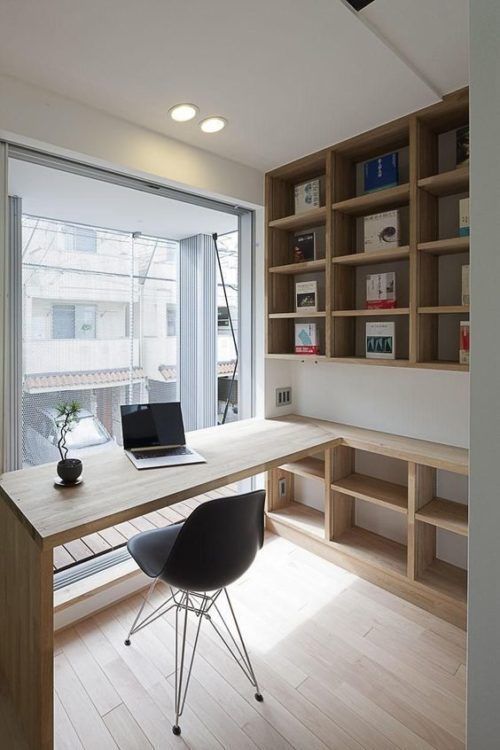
{"points": [[465, 285], [306, 338], [381, 231], [380, 340], [306, 296], [307, 196], [464, 223], [381, 290]]}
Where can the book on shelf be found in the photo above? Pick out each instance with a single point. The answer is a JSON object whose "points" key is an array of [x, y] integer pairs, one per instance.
{"points": [[306, 338], [304, 247], [465, 285], [307, 196], [381, 173], [380, 340], [381, 290], [381, 231], [463, 222], [306, 296], [464, 342], [462, 146]]}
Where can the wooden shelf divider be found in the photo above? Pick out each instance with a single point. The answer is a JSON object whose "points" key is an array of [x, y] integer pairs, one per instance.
{"points": [[373, 258], [309, 266], [454, 246], [310, 467], [444, 309], [300, 221], [446, 183], [376, 201], [383, 312], [378, 491]]}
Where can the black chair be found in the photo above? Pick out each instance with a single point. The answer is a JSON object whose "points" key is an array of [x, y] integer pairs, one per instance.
{"points": [[199, 558]]}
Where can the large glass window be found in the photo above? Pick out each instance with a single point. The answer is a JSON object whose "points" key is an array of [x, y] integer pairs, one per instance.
{"points": [[94, 331]]}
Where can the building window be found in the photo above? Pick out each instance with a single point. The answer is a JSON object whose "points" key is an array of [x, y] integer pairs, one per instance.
{"points": [[73, 321], [81, 239], [171, 319], [223, 319]]}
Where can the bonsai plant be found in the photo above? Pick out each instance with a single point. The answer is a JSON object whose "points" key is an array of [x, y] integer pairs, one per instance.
{"points": [[69, 469]]}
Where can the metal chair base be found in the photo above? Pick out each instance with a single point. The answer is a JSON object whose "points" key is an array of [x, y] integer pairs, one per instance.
{"points": [[204, 606]]}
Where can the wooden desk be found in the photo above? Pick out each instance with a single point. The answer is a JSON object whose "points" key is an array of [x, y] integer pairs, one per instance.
{"points": [[35, 517]]}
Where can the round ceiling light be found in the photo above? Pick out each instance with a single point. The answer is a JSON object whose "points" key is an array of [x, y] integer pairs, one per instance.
{"points": [[183, 112], [213, 124]]}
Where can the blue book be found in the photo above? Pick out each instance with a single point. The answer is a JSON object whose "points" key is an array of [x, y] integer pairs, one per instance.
{"points": [[381, 173]]}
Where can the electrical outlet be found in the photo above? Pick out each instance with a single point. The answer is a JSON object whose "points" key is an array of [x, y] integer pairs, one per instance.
{"points": [[282, 487], [283, 396]]}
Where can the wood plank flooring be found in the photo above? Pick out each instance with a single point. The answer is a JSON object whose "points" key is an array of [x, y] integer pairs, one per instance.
{"points": [[80, 550], [341, 663]]}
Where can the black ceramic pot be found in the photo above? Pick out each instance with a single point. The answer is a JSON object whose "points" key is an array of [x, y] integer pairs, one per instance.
{"points": [[69, 470]]}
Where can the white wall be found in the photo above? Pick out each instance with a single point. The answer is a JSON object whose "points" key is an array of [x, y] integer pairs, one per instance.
{"points": [[484, 538], [41, 119]]}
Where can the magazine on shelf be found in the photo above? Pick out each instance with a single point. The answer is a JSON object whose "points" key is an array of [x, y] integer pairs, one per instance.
{"points": [[381, 173], [307, 196], [304, 247], [381, 291], [463, 209], [306, 296], [465, 285], [380, 340], [381, 231], [306, 338], [464, 342]]}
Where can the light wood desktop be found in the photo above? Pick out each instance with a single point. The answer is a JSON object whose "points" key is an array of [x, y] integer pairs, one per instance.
{"points": [[35, 517]]}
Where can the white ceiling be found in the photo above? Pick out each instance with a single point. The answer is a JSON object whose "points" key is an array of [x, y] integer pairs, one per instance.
{"points": [[68, 197], [291, 76]]}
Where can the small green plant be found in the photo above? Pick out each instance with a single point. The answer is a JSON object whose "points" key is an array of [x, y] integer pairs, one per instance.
{"points": [[67, 417]]}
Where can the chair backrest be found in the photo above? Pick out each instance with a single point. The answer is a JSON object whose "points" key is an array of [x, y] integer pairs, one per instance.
{"points": [[218, 543]]}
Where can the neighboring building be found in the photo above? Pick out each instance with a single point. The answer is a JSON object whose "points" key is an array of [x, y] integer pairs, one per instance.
{"points": [[101, 319]]}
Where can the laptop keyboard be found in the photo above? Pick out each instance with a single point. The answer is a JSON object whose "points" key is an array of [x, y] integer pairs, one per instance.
{"points": [[180, 451]]}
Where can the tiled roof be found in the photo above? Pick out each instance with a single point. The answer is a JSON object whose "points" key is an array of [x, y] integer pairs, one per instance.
{"points": [[169, 372], [48, 381]]}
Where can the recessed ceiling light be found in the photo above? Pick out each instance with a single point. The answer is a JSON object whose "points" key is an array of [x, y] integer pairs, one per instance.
{"points": [[183, 112], [213, 124]]}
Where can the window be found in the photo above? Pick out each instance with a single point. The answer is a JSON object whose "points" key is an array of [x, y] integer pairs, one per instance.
{"points": [[73, 321], [171, 319], [81, 239], [223, 319]]}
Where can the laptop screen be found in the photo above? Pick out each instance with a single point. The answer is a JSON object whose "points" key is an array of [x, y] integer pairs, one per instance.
{"points": [[152, 425]]}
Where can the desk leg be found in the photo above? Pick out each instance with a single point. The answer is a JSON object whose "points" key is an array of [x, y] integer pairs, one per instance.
{"points": [[26, 635]]}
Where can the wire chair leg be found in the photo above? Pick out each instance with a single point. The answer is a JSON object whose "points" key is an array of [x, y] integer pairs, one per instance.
{"points": [[180, 693], [141, 608], [236, 647]]}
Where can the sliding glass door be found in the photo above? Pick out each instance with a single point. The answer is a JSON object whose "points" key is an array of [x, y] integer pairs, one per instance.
{"points": [[126, 297]]}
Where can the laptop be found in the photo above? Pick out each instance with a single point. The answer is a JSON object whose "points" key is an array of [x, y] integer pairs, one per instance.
{"points": [[153, 436]]}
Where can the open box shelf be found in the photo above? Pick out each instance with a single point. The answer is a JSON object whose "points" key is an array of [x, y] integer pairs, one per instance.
{"points": [[445, 514], [374, 549], [378, 491], [301, 517]]}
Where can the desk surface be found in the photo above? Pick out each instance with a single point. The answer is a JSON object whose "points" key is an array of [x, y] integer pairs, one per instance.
{"points": [[114, 491]]}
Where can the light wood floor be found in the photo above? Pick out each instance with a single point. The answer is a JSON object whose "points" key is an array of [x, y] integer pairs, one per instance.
{"points": [[341, 663]]}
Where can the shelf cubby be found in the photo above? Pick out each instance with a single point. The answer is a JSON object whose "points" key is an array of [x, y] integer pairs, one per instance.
{"points": [[374, 549], [445, 514], [302, 518], [309, 467], [373, 490], [445, 579], [426, 261]]}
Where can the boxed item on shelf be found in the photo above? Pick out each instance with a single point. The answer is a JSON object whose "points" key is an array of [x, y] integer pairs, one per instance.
{"points": [[380, 340], [463, 210], [381, 231], [304, 247], [381, 173], [464, 342], [462, 146], [465, 285], [381, 290], [307, 196], [306, 296], [306, 338]]}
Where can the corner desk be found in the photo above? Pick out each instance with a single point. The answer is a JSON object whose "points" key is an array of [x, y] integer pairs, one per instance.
{"points": [[35, 517]]}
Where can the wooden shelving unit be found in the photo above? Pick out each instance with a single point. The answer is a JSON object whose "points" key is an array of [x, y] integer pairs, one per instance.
{"points": [[427, 335], [409, 567]]}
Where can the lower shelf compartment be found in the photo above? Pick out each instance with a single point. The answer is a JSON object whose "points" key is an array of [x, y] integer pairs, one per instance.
{"points": [[446, 579], [374, 549], [302, 518]]}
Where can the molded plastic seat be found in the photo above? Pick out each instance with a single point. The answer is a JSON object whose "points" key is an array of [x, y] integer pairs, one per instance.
{"points": [[150, 549]]}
